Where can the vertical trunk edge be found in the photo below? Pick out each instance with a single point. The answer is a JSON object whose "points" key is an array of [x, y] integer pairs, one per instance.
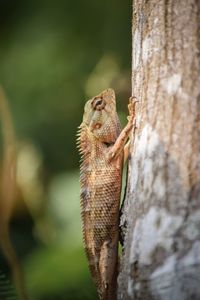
{"points": [[161, 257]]}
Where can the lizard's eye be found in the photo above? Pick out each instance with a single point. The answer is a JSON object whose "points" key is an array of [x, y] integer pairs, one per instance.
{"points": [[98, 104]]}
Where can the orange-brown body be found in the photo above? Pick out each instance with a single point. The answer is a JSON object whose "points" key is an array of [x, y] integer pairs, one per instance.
{"points": [[101, 146]]}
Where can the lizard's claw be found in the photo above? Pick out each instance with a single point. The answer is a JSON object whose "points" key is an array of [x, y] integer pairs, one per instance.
{"points": [[133, 99]]}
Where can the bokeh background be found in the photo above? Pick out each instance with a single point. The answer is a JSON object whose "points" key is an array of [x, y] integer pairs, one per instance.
{"points": [[55, 55]]}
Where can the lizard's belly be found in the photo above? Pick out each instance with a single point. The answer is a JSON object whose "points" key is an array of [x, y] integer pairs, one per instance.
{"points": [[100, 204]]}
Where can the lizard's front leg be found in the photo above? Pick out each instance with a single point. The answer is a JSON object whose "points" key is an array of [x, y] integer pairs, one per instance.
{"points": [[122, 138]]}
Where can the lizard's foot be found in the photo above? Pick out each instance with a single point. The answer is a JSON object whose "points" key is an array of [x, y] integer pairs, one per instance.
{"points": [[131, 106]]}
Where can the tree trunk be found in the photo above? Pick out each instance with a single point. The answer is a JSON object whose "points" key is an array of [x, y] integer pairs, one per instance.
{"points": [[161, 214]]}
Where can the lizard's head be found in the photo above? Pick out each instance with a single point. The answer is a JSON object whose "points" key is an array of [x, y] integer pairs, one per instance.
{"points": [[101, 118]]}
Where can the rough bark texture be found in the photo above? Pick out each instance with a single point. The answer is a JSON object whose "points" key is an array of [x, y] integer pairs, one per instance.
{"points": [[161, 216]]}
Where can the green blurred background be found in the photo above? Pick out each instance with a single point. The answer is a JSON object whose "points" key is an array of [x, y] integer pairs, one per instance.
{"points": [[54, 55]]}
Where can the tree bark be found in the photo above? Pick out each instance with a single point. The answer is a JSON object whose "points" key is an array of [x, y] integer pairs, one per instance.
{"points": [[161, 214]]}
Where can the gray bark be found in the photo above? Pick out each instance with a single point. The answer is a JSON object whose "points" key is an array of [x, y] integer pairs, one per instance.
{"points": [[161, 215]]}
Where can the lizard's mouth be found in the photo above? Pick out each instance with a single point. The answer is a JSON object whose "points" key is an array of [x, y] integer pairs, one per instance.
{"points": [[98, 103]]}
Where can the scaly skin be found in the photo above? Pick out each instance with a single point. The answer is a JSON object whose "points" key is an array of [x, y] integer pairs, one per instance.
{"points": [[101, 144]]}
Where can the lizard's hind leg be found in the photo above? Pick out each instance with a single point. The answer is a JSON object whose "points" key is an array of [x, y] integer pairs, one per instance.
{"points": [[108, 268]]}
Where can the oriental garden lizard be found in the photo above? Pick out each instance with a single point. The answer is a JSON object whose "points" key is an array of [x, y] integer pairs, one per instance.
{"points": [[101, 144]]}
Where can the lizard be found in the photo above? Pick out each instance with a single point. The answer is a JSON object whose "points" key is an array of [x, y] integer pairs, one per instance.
{"points": [[101, 144]]}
